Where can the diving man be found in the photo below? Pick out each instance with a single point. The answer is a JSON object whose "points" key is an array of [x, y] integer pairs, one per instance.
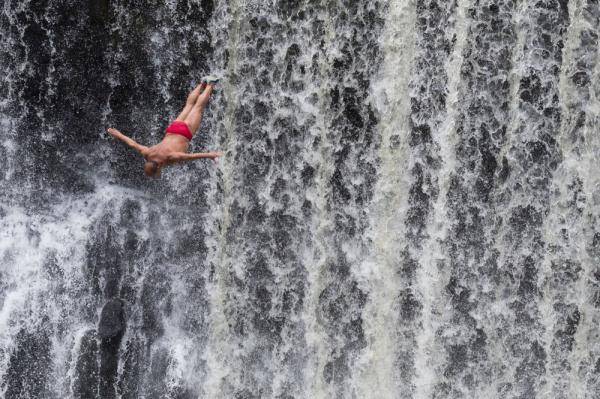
{"points": [[174, 146]]}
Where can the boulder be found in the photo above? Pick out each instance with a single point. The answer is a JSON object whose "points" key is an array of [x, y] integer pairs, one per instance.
{"points": [[112, 319]]}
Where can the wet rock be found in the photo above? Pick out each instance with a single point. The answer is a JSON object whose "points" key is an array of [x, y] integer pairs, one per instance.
{"points": [[410, 307], [570, 318], [531, 368], [581, 78], [352, 113], [155, 302], [133, 369], [130, 213], [340, 310], [335, 370], [531, 88], [99, 10], [29, 366], [528, 285], [110, 331], [461, 297], [525, 218], [112, 319], [104, 259], [420, 134], [85, 385]]}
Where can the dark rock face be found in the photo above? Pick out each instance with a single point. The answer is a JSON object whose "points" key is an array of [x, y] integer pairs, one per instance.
{"points": [[85, 385], [155, 304], [110, 331], [112, 320], [27, 375], [134, 366], [104, 261]]}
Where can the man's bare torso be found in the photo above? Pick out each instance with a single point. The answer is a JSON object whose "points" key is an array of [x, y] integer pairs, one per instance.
{"points": [[162, 152]]}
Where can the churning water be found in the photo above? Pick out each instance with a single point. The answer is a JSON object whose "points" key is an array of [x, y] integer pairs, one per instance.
{"points": [[409, 205]]}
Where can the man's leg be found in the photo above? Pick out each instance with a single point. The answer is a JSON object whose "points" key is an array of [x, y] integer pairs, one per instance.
{"points": [[190, 102], [194, 117]]}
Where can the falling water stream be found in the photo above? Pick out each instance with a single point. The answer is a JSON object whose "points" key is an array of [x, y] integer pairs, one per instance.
{"points": [[408, 205]]}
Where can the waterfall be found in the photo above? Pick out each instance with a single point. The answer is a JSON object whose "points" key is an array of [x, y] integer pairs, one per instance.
{"points": [[407, 205], [376, 369]]}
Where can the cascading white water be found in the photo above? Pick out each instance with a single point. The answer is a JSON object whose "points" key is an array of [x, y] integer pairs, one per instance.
{"points": [[407, 206]]}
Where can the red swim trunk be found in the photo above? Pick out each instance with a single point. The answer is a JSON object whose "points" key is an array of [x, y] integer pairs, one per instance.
{"points": [[180, 128]]}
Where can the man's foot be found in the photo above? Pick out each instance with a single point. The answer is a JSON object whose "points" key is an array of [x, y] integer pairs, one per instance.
{"points": [[210, 79]]}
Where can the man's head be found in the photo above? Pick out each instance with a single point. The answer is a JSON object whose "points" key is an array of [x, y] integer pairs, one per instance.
{"points": [[151, 169]]}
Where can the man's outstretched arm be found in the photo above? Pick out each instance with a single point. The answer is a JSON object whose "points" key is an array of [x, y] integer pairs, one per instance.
{"points": [[129, 141], [183, 156]]}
